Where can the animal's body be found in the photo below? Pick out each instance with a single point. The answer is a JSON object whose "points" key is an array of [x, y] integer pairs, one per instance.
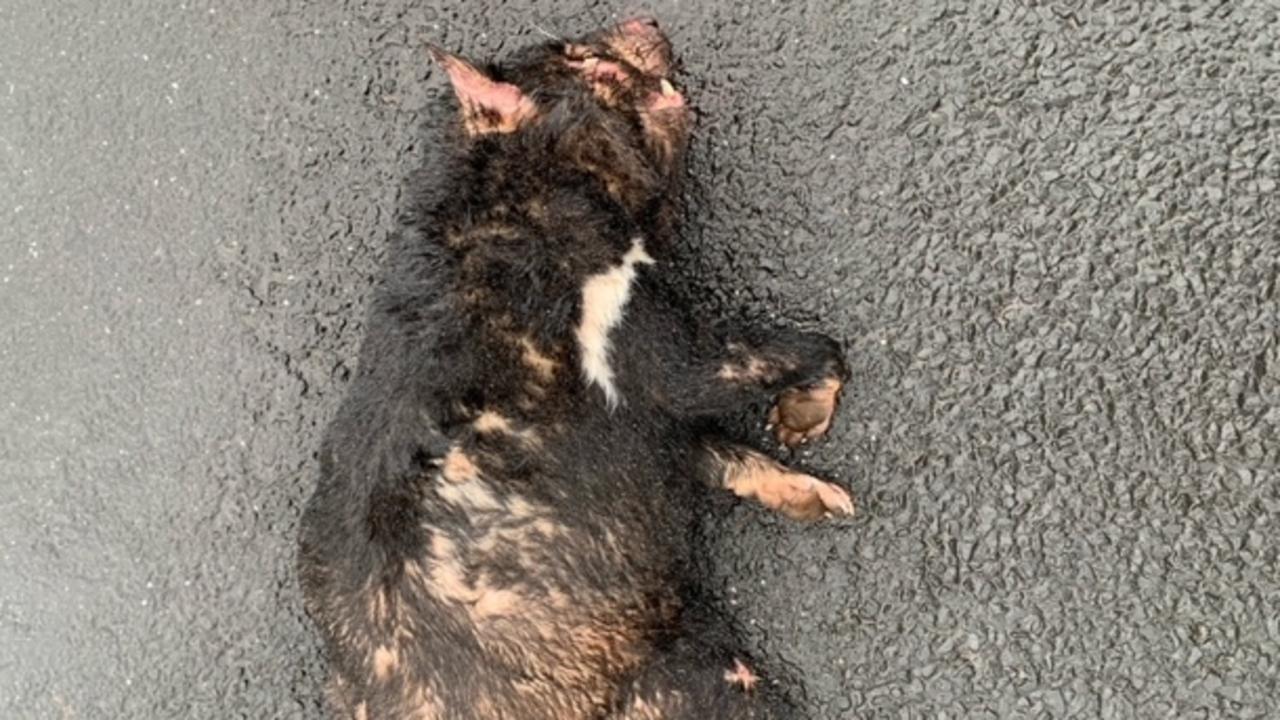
{"points": [[501, 527]]}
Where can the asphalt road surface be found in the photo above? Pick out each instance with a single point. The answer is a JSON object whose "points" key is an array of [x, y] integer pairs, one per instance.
{"points": [[1048, 232]]}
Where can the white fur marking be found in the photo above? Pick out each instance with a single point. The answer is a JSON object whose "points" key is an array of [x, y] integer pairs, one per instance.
{"points": [[603, 298]]}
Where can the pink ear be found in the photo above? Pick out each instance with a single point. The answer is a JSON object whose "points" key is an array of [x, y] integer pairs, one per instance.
{"points": [[487, 106]]}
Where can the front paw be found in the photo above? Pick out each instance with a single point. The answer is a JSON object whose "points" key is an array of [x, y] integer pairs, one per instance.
{"points": [[750, 474], [801, 497], [805, 413]]}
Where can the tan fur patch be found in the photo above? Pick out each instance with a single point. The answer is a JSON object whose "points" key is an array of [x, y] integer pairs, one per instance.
{"points": [[491, 422], [753, 370], [526, 539], [557, 599], [443, 549], [536, 209], [379, 604], [413, 569], [482, 600], [483, 232], [496, 602], [519, 507], [362, 712], [477, 122], [611, 541], [386, 660], [570, 648], [534, 359], [567, 660], [447, 578], [794, 494], [449, 583], [458, 467], [546, 527], [473, 496], [597, 640]]}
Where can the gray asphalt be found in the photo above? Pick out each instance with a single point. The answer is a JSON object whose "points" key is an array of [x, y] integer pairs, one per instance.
{"points": [[1049, 233]]}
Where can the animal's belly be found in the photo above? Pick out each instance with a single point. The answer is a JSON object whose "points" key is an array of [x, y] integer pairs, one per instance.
{"points": [[548, 616], [532, 595]]}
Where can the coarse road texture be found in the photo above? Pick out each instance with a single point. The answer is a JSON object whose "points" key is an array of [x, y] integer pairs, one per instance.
{"points": [[1049, 233]]}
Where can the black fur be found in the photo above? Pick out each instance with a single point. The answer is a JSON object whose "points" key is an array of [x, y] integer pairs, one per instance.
{"points": [[489, 538]]}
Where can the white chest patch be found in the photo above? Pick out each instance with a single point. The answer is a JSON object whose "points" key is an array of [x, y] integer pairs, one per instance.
{"points": [[604, 296]]}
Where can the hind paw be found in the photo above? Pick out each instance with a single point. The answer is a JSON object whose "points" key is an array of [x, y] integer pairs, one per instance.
{"points": [[742, 676], [802, 497], [805, 413]]}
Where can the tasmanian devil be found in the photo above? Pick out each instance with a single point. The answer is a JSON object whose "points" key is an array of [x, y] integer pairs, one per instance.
{"points": [[502, 523]]}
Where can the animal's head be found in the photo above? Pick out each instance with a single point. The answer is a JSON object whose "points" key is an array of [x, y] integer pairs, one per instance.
{"points": [[604, 104]]}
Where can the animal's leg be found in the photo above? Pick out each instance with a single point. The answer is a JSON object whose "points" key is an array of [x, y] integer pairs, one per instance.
{"points": [[751, 474], [799, 374]]}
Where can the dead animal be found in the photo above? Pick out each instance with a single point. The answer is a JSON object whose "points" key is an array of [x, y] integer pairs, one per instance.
{"points": [[502, 523]]}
